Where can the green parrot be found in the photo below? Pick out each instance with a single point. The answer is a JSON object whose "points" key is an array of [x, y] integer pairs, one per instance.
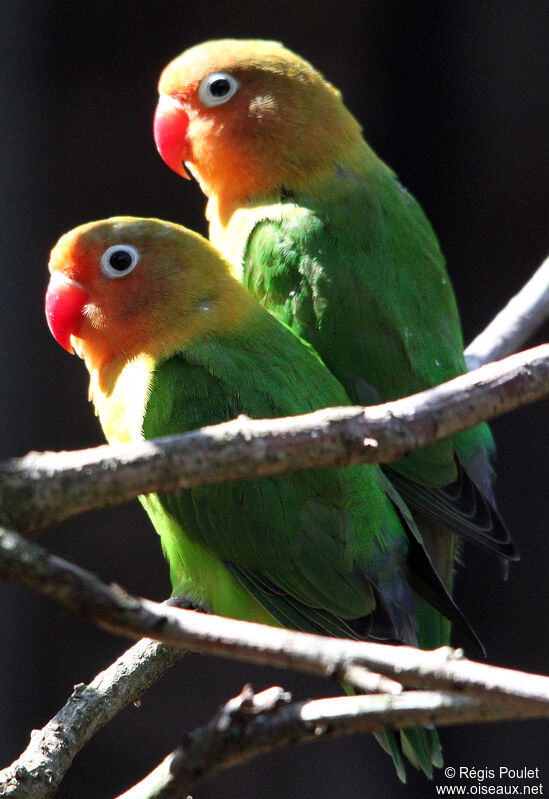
{"points": [[321, 232], [172, 342]]}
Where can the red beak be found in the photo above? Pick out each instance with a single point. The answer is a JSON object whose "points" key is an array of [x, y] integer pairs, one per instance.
{"points": [[65, 301], [170, 133]]}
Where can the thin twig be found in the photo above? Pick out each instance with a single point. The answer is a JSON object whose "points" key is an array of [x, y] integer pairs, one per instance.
{"points": [[38, 771], [247, 726], [512, 327], [43, 488], [113, 609]]}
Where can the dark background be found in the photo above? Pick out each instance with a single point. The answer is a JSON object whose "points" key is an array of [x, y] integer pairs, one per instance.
{"points": [[455, 97]]}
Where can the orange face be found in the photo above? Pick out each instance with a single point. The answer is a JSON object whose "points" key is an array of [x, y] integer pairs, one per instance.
{"points": [[247, 116], [125, 286], [212, 119], [105, 279]]}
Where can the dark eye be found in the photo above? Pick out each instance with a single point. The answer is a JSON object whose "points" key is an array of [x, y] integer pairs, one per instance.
{"points": [[217, 88], [119, 260]]}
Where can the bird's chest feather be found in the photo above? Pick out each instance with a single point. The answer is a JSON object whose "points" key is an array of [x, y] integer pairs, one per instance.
{"points": [[122, 410]]}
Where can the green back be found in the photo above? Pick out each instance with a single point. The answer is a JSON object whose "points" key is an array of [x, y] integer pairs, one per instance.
{"points": [[355, 269], [361, 277]]}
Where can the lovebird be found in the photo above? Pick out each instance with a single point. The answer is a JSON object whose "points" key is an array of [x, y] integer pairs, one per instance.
{"points": [[173, 341], [322, 233]]}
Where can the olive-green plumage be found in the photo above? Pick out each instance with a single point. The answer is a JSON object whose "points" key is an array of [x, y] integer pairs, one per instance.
{"points": [[321, 232], [178, 343]]}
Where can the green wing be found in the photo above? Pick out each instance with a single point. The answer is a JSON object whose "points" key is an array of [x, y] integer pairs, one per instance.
{"points": [[361, 277], [320, 550], [323, 537]]}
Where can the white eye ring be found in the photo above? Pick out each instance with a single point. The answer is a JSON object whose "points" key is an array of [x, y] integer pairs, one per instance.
{"points": [[121, 265], [211, 86]]}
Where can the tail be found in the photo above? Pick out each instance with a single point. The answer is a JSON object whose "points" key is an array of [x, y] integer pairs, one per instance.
{"points": [[420, 745]]}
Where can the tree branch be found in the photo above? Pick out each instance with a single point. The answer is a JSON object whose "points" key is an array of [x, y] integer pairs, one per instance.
{"points": [[43, 488], [491, 693], [250, 725], [113, 609], [513, 326], [37, 773]]}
